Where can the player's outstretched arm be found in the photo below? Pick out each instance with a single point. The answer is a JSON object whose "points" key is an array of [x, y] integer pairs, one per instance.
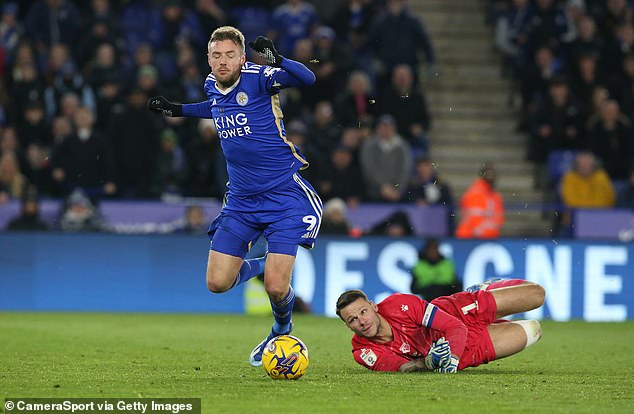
{"points": [[414, 365], [164, 106]]}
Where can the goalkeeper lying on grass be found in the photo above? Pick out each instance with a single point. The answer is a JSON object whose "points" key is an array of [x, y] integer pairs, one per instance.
{"points": [[405, 333]]}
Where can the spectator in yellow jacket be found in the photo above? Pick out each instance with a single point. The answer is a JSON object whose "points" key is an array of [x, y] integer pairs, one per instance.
{"points": [[587, 185]]}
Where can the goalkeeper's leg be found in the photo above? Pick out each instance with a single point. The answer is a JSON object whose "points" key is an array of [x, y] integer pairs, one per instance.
{"points": [[509, 338], [522, 297]]}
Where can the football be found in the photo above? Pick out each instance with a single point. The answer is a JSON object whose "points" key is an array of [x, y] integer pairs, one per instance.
{"points": [[285, 357]]}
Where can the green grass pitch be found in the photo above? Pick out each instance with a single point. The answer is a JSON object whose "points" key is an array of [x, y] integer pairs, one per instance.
{"points": [[576, 367]]}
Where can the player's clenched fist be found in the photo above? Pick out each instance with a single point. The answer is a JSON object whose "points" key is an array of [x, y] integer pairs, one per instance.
{"points": [[162, 105], [264, 47]]}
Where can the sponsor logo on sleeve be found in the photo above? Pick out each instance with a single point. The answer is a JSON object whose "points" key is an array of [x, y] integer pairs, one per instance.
{"points": [[368, 356]]}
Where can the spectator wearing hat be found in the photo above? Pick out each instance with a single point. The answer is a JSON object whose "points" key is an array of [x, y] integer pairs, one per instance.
{"points": [[335, 218], [386, 162], [29, 218], [79, 214]]}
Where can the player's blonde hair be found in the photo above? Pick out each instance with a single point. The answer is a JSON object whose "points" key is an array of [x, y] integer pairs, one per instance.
{"points": [[228, 33]]}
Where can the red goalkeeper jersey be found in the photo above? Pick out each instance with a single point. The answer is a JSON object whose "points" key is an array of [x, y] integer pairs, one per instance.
{"points": [[461, 318]]}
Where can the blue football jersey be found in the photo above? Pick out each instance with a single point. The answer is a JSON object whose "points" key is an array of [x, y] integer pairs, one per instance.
{"points": [[248, 118]]}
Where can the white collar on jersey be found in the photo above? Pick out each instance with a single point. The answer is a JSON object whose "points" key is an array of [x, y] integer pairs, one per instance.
{"points": [[229, 89]]}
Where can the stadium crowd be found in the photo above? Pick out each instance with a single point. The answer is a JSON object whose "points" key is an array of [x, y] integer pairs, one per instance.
{"points": [[75, 77], [572, 65]]}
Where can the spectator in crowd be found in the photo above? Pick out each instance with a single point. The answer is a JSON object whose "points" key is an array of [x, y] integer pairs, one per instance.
{"points": [[10, 32], [84, 160], [34, 128], [408, 106], [535, 79], [386, 162], [356, 104], [194, 221], [396, 37], [79, 214], [135, 140], [353, 18], [434, 275], [171, 166], [101, 27], [342, 178], [335, 218], [323, 131], [293, 20], [588, 41], [558, 124], [50, 22], [611, 140], [585, 186], [481, 207], [620, 44], [511, 34], [12, 182], [335, 62], [551, 26], [207, 172], [621, 87], [27, 87], [426, 189], [585, 77], [625, 196], [38, 169], [29, 218]]}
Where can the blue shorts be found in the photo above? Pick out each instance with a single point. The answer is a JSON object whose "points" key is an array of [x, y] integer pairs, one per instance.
{"points": [[289, 216]]}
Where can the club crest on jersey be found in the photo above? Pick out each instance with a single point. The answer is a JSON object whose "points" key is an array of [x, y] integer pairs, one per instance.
{"points": [[405, 348], [242, 98], [368, 356]]}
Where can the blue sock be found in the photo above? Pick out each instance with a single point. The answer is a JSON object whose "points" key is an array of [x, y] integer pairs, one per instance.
{"points": [[250, 269], [282, 312]]}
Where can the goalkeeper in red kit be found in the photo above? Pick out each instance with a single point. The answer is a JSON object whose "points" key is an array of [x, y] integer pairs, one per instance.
{"points": [[406, 333]]}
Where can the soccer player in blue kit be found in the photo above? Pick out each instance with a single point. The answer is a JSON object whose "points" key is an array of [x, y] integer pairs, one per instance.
{"points": [[265, 194]]}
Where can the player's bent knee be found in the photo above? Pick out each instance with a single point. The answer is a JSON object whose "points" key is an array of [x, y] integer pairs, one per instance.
{"points": [[533, 330], [276, 289], [539, 295], [217, 285]]}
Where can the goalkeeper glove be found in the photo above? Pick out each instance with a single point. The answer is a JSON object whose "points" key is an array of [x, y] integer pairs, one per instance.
{"points": [[264, 47], [439, 355], [167, 108], [451, 368]]}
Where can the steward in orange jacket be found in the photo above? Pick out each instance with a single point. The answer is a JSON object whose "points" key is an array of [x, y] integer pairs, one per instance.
{"points": [[481, 208]]}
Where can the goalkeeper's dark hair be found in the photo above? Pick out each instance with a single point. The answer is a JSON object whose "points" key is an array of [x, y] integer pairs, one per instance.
{"points": [[228, 33], [348, 297]]}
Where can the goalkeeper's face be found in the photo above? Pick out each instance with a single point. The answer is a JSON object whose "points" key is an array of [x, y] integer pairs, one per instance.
{"points": [[362, 318], [225, 59]]}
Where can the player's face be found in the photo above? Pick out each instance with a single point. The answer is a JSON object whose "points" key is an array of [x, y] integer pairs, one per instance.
{"points": [[361, 317], [226, 59]]}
